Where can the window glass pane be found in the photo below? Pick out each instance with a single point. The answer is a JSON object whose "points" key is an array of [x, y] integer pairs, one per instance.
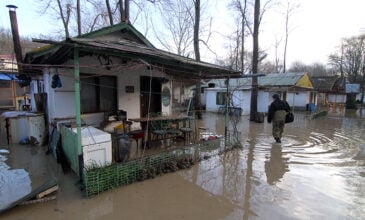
{"points": [[88, 95], [108, 93], [98, 94], [221, 98]]}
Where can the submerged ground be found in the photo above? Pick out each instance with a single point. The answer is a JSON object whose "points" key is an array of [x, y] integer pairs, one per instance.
{"points": [[317, 172]]}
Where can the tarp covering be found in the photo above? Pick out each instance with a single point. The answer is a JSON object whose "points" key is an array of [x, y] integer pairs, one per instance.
{"points": [[8, 76]]}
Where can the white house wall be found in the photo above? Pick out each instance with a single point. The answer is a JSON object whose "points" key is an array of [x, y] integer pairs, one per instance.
{"points": [[263, 101], [298, 99], [237, 98], [129, 102], [210, 100], [61, 101], [245, 101], [176, 94], [240, 98], [337, 98]]}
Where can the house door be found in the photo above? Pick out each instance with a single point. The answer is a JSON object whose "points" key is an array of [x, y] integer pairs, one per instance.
{"points": [[313, 97], [150, 93]]}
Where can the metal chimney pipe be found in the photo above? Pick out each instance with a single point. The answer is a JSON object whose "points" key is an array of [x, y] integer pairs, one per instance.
{"points": [[16, 38]]}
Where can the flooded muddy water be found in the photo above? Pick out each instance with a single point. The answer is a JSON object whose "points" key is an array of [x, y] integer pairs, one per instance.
{"points": [[317, 172]]}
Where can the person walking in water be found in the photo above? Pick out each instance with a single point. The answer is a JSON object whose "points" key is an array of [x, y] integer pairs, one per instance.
{"points": [[277, 112]]}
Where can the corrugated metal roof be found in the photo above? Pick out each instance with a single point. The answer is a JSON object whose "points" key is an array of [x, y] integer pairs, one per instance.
{"points": [[270, 80], [280, 79], [324, 83], [172, 64]]}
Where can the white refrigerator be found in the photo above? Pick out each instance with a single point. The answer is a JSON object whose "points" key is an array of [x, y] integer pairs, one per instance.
{"points": [[96, 147]]}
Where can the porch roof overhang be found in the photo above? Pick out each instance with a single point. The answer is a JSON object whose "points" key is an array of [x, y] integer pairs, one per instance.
{"points": [[172, 64]]}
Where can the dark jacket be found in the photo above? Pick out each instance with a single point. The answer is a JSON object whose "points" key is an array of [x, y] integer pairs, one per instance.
{"points": [[277, 105]]}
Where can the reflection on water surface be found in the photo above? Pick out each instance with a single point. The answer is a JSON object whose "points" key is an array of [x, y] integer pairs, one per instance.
{"points": [[316, 173]]}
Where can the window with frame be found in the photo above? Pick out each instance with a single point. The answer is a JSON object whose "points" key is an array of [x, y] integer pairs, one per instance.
{"points": [[221, 98], [98, 94]]}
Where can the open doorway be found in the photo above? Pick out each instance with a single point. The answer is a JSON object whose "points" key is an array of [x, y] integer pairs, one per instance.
{"points": [[150, 92]]}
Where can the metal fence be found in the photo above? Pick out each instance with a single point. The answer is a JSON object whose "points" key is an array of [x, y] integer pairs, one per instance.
{"points": [[100, 179]]}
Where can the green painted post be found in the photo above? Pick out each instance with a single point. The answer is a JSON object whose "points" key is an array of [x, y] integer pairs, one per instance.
{"points": [[78, 110], [226, 115]]}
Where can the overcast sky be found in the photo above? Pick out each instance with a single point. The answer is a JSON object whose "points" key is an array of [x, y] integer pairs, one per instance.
{"points": [[318, 26]]}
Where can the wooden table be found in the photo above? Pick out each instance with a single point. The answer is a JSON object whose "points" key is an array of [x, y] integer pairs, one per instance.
{"points": [[146, 122]]}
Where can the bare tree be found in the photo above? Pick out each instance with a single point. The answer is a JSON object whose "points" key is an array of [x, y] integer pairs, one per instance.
{"points": [[255, 61], [196, 29], [83, 16], [234, 51], [65, 14], [177, 18], [268, 67], [6, 41], [254, 31], [197, 54], [110, 14], [7, 46], [278, 67], [78, 13], [65, 11], [241, 7], [314, 69], [183, 18], [290, 9], [245, 9], [349, 58]]}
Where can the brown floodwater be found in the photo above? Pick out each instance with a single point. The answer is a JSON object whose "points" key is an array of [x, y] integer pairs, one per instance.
{"points": [[317, 172]]}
